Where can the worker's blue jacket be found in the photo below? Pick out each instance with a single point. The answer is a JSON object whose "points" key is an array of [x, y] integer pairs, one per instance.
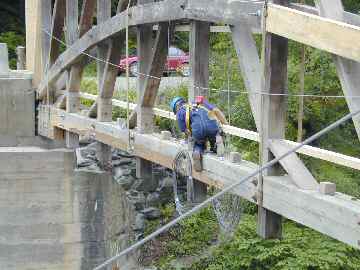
{"points": [[202, 126]]}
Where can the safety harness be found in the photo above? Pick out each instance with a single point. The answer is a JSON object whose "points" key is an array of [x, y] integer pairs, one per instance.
{"points": [[189, 108]]}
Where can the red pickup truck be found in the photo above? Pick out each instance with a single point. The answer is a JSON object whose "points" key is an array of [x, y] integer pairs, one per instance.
{"points": [[177, 61]]}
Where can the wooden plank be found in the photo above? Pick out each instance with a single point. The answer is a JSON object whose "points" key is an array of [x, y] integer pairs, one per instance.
{"points": [[199, 59], [336, 216], [273, 118], [325, 34], [348, 70], [250, 66], [160, 11]]}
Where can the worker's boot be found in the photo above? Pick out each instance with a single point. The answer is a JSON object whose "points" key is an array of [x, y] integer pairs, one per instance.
{"points": [[197, 160]]}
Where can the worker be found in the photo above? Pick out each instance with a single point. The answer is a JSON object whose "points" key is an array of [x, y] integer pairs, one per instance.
{"points": [[202, 122]]}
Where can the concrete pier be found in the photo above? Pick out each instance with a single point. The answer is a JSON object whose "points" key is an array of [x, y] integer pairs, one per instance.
{"points": [[55, 217]]}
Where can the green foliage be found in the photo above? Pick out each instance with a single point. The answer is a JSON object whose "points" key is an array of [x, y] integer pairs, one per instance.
{"points": [[191, 237], [300, 248], [12, 39]]}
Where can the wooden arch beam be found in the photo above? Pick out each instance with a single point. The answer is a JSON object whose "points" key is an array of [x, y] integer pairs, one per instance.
{"points": [[163, 11]]}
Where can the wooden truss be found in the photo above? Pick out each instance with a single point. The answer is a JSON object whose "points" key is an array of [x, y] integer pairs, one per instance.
{"points": [[295, 195]]}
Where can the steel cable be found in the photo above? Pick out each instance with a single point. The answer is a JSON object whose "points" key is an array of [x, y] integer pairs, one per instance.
{"points": [[225, 190]]}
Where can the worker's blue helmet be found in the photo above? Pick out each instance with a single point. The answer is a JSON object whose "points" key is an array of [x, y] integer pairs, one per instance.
{"points": [[174, 103]]}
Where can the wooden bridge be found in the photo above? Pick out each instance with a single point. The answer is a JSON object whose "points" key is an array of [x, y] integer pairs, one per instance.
{"points": [[296, 194]]}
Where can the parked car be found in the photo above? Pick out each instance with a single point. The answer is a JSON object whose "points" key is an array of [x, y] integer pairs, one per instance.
{"points": [[177, 62]]}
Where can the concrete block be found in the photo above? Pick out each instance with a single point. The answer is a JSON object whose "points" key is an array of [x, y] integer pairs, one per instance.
{"points": [[327, 188], [17, 110], [165, 135], [4, 59], [235, 157]]}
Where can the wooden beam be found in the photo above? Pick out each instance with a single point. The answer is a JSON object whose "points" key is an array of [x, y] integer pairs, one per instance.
{"points": [[104, 108], [141, 117], [199, 78], [336, 216], [199, 59], [73, 86], [325, 34], [293, 166], [348, 70], [226, 12], [103, 14], [46, 22], [34, 40], [57, 27], [349, 17], [250, 66], [160, 11]]}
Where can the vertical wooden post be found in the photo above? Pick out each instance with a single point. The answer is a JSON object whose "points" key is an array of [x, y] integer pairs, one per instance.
{"points": [[199, 59], [73, 98], [33, 39], [145, 121], [199, 78], [104, 108], [275, 53]]}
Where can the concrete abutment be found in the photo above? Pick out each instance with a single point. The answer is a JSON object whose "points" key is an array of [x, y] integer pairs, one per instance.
{"points": [[55, 217]]}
